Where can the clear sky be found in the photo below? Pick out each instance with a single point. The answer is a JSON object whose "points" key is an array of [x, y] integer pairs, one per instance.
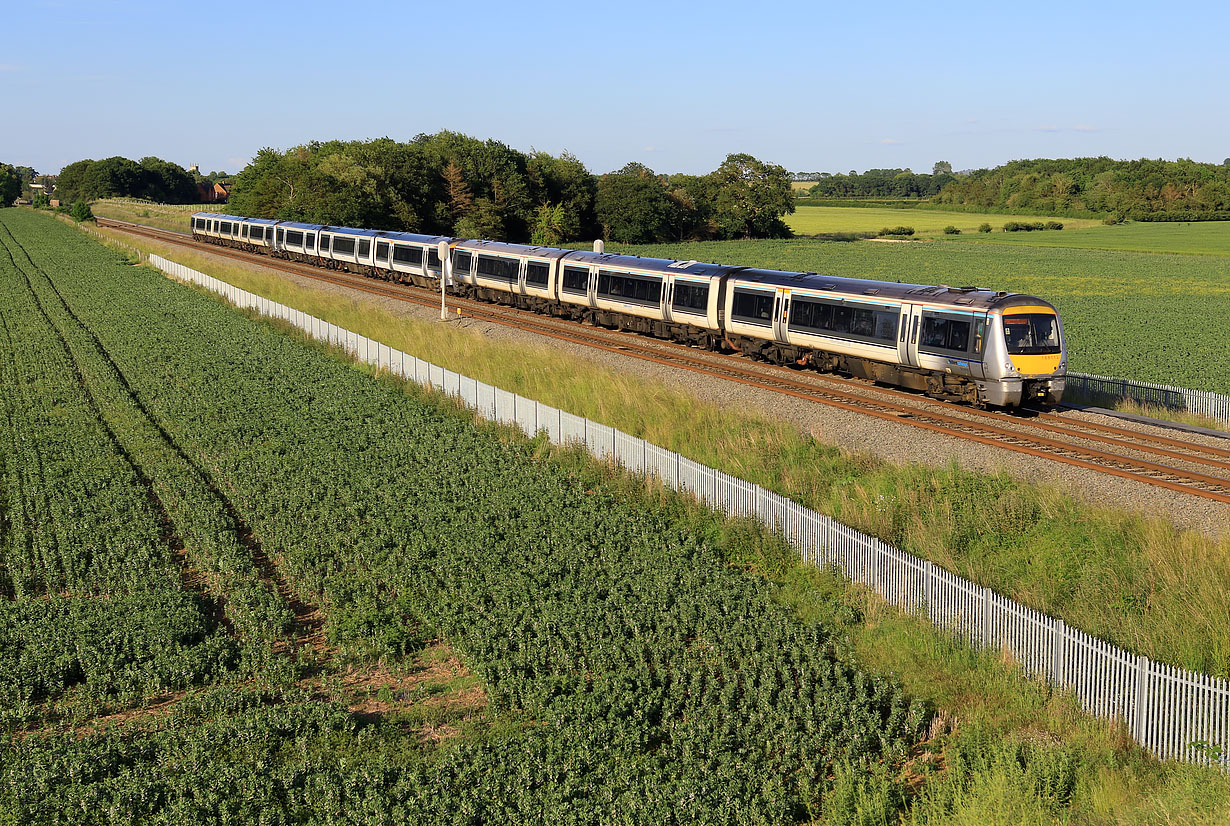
{"points": [[813, 86]]}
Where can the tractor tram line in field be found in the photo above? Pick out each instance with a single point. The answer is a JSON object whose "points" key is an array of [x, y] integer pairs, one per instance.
{"points": [[1193, 468]]}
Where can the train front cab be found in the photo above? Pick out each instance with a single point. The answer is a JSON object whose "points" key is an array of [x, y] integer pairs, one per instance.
{"points": [[1029, 355]]}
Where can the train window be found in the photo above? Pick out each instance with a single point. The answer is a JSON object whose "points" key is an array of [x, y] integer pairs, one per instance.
{"points": [[244, 232], [980, 329], [1032, 333], [537, 273], [281, 235], [627, 287], [365, 247], [226, 228], [812, 315], [461, 262], [886, 325], [405, 254], [576, 280], [433, 259], [752, 307], [945, 334], [294, 238], [324, 242], [690, 297], [382, 250], [309, 240], [343, 246], [505, 269]]}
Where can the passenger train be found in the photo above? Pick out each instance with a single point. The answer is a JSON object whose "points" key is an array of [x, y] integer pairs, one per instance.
{"points": [[956, 343]]}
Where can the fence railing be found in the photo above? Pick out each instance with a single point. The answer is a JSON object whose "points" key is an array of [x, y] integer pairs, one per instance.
{"points": [[1171, 712], [1110, 390]]}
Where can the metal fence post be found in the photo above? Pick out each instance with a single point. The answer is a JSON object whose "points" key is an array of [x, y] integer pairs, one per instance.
{"points": [[1059, 645], [1142, 688]]}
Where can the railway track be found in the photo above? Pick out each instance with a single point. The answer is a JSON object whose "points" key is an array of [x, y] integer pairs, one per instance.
{"points": [[1162, 461]]}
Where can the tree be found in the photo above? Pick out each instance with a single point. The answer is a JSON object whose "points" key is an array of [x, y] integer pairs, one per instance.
{"points": [[941, 168], [10, 185], [632, 205], [460, 199], [751, 198]]}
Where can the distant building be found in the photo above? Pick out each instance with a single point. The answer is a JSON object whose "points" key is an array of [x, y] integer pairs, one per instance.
{"points": [[215, 193]]}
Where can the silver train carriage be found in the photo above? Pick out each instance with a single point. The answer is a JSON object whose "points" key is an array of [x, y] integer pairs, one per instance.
{"points": [[958, 343]]}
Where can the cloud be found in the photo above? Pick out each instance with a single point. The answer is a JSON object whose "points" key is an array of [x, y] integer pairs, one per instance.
{"points": [[1048, 129], [649, 149], [1084, 128], [11, 67], [890, 142], [237, 163]]}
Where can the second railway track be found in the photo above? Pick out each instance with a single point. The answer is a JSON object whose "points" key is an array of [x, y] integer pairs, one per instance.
{"points": [[1189, 467]]}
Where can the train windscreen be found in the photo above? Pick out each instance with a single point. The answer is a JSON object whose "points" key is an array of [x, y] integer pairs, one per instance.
{"points": [[1031, 334]]}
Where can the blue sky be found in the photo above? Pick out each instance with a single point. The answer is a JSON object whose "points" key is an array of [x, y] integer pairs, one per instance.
{"points": [[811, 86]]}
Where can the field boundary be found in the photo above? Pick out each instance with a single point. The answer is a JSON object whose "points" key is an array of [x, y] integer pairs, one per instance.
{"points": [[1172, 712], [1180, 399]]}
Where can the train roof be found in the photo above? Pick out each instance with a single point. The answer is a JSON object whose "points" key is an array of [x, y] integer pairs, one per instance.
{"points": [[297, 225], [971, 297], [503, 248], [364, 233], [665, 266], [415, 238]]}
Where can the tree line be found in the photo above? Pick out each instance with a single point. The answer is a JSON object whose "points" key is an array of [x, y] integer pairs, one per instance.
{"points": [[1143, 190], [117, 177], [880, 183], [452, 184]]}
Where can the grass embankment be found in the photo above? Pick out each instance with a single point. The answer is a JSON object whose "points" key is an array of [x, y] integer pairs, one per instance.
{"points": [[824, 220], [164, 216], [1141, 583], [1011, 752]]}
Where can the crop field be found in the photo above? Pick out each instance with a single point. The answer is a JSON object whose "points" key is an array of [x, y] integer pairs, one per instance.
{"points": [[627, 670], [822, 220], [276, 490], [1197, 237], [1146, 316]]}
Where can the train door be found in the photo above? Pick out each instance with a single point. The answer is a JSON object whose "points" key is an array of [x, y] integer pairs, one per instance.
{"points": [[781, 315], [907, 334]]}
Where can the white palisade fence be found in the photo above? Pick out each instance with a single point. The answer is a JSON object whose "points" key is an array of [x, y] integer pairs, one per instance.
{"points": [[1172, 712], [1201, 402]]}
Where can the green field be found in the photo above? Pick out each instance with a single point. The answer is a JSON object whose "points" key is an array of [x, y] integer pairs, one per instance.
{"points": [[1015, 750], [824, 220], [1198, 238], [1146, 316]]}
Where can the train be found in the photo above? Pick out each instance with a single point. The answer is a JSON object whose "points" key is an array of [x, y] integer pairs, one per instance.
{"points": [[964, 344]]}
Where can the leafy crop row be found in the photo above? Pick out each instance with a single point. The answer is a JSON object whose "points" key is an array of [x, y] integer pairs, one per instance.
{"points": [[91, 594], [654, 683]]}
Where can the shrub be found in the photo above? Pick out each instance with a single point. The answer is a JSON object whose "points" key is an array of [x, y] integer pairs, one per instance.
{"points": [[951, 230], [984, 227], [1112, 219], [41, 200], [897, 231], [81, 211], [1054, 225]]}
